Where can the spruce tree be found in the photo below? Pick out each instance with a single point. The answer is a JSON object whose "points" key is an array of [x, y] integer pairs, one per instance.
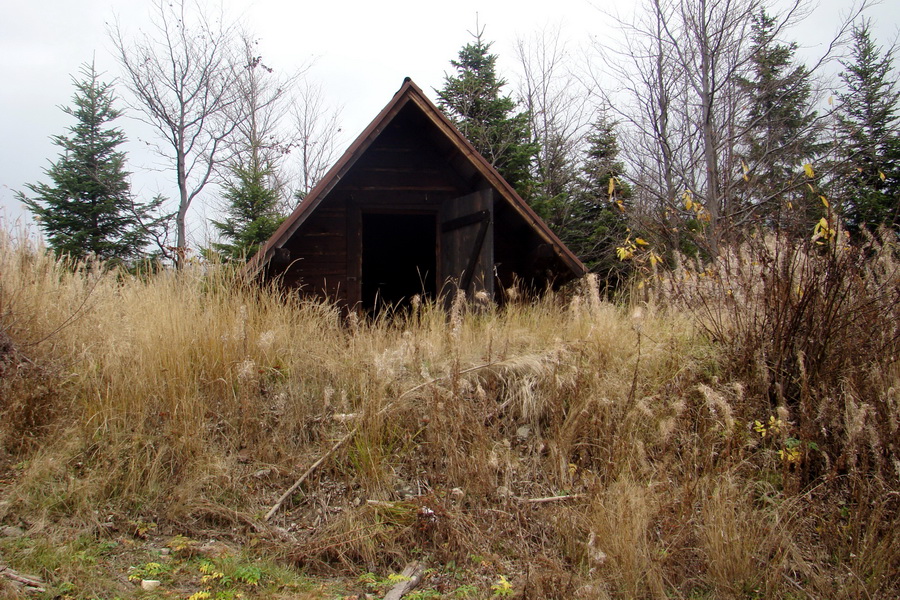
{"points": [[253, 190], [601, 200], [779, 131], [868, 133], [252, 214], [473, 100], [89, 208]]}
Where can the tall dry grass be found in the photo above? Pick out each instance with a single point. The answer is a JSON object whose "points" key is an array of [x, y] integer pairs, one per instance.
{"points": [[581, 448]]}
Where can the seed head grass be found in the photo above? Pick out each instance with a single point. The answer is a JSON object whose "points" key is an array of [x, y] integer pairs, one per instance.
{"points": [[577, 447]]}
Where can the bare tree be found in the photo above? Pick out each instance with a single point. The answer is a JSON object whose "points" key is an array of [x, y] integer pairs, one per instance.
{"points": [[316, 131], [558, 111], [686, 55], [262, 105], [262, 137], [677, 75], [644, 86], [252, 200], [185, 79]]}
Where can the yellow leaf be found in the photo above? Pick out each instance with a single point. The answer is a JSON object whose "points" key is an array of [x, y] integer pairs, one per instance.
{"points": [[744, 166], [759, 428], [823, 230], [502, 587], [880, 174], [612, 186], [641, 242], [808, 169], [688, 204], [790, 204], [824, 201]]}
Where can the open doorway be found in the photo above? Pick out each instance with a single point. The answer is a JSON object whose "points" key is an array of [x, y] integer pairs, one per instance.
{"points": [[398, 257]]}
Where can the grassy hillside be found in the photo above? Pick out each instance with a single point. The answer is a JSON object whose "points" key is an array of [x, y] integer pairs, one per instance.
{"points": [[731, 435]]}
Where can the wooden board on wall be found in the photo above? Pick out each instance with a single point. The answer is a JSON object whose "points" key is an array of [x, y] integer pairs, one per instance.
{"points": [[467, 243]]}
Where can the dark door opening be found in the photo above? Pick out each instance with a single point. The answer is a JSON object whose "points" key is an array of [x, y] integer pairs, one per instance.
{"points": [[398, 258]]}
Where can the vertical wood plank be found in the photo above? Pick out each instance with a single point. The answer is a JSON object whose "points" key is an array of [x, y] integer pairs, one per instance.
{"points": [[458, 244], [354, 254]]}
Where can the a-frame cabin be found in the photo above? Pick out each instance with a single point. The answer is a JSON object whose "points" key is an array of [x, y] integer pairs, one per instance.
{"points": [[412, 208]]}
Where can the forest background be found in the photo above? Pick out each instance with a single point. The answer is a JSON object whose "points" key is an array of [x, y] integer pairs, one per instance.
{"points": [[577, 60]]}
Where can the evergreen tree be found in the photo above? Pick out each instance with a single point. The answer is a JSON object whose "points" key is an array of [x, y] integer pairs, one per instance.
{"points": [[868, 132], [89, 208], [780, 134], [602, 162], [252, 191], [252, 211], [601, 200], [472, 99], [552, 190]]}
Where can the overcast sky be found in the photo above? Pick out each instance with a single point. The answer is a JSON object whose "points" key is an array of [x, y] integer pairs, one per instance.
{"points": [[361, 50]]}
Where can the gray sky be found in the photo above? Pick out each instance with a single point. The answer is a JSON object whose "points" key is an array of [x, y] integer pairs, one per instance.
{"points": [[361, 50]]}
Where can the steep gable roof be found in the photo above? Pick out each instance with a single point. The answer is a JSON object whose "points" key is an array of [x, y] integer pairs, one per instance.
{"points": [[410, 94]]}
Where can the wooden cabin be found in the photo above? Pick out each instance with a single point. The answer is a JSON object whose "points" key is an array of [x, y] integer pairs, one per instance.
{"points": [[412, 208]]}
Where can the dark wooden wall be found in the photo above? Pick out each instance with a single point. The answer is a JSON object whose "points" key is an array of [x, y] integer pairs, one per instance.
{"points": [[401, 172], [411, 168]]}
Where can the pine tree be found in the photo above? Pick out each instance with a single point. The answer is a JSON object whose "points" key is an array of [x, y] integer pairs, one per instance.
{"points": [[89, 208], [252, 211], [868, 132], [472, 99], [780, 132]]}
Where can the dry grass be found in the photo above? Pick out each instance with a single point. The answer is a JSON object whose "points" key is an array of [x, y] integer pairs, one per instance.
{"points": [[192, 400]]}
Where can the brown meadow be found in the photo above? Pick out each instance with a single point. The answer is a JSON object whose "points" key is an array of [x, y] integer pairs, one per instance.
{"points": [[731, 435]]}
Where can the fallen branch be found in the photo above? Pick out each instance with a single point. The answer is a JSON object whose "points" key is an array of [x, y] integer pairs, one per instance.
{"points": [[551, 499], [411, 576], [313, 467], [35, 584], [277, 506], [380, 503]]}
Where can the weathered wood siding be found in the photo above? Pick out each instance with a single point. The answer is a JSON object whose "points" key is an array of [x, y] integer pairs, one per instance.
{"points": [[400, 172], [413, 163]]}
